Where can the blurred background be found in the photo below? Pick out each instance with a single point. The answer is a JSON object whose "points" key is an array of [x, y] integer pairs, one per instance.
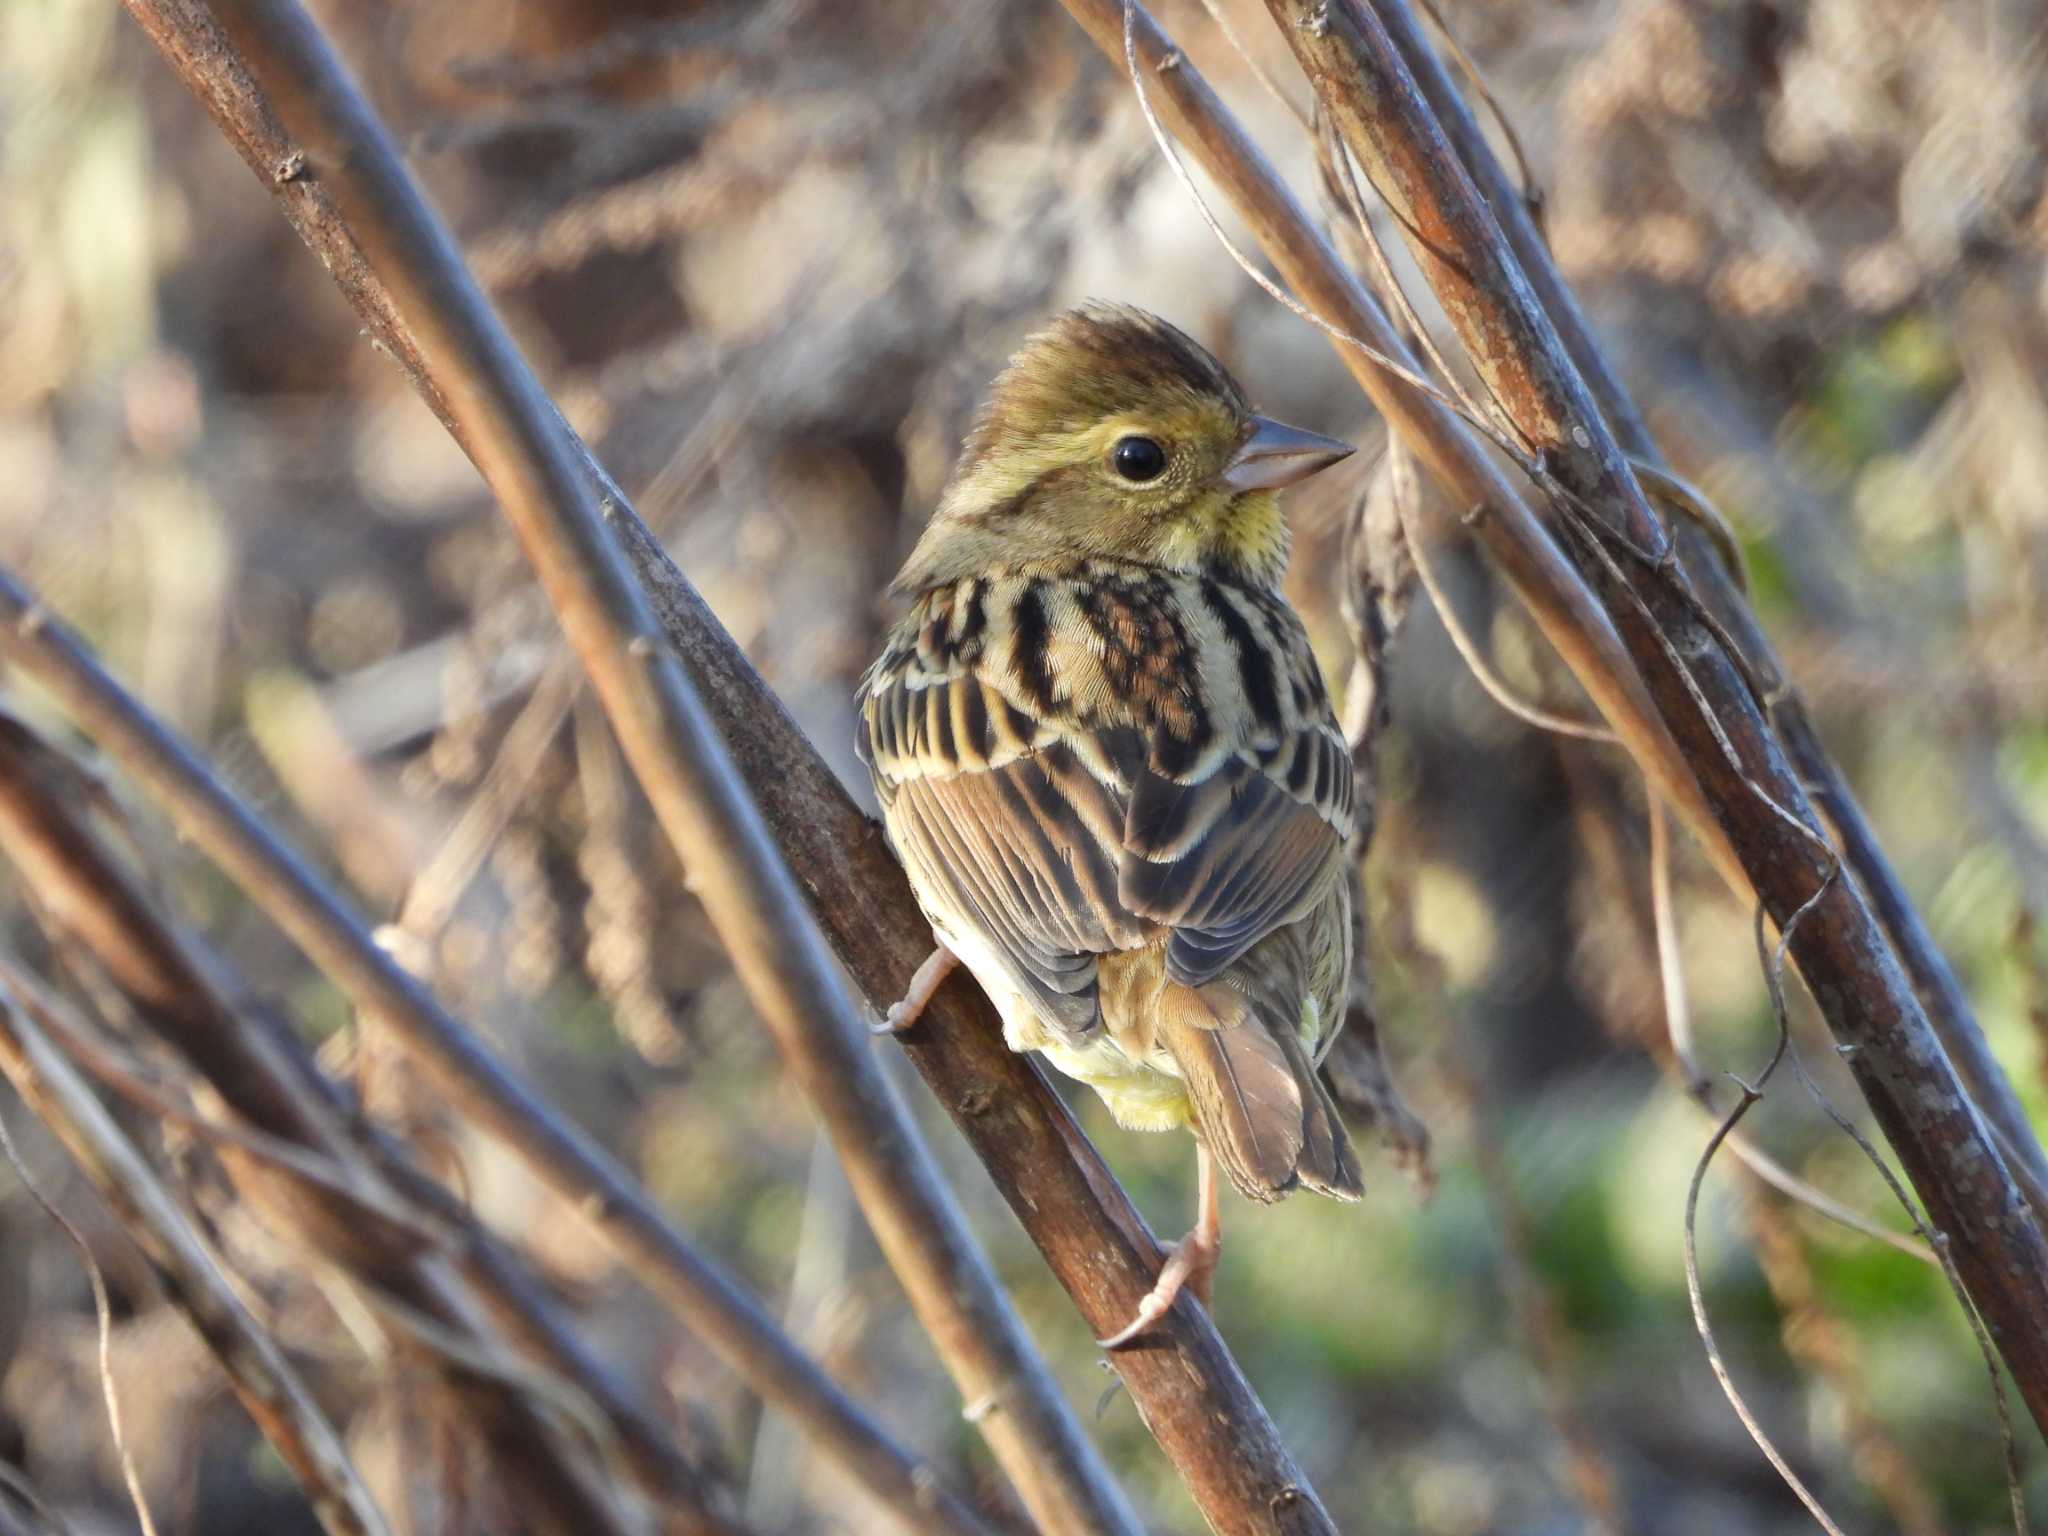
{"points": [[766, 253]]}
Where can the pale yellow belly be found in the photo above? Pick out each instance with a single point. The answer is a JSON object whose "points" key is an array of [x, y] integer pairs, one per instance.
{"points": [[1143, 1091], [1125, 1063], [1143, 1097]]}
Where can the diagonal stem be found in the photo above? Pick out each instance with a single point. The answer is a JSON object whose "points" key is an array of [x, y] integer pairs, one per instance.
{"points": [[263, 1077], [1699, 685], [524, 450], [560, 1153], [1184, 1383], [1948, 1010]]}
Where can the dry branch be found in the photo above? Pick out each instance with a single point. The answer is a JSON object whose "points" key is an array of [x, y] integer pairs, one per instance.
{"points": [[508, 1291], [561, 1155], [86, 896], [1699, 685], [526, 454], [1948, 1010], [266, 1383], [1183, 1380]]}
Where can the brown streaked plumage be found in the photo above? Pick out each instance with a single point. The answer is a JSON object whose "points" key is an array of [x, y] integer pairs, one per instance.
{"points": [[1108, 762]]}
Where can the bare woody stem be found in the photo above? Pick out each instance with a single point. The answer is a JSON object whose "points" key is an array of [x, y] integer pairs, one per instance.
{"points": [[1182, 1379], [269, 1388], [1568, 614], [1698, 688], [524, 451], [88, 897], [476, 1083], [1948, 1011], [1183, 1382]]}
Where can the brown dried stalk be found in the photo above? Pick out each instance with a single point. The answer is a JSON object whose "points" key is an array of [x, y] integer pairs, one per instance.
{"points": [[281, 1405], [86, 896], [526, 453], [1362, 246], [1702, 686], [1948, 1010], [1944, 1128], [103, 1317], [1183, 1381], [561, 1155]]}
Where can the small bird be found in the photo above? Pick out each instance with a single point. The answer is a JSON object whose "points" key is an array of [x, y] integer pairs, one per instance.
{"points": [[1107, 760]]}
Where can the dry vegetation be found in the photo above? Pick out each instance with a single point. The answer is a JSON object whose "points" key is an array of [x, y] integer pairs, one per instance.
{"points": [[764, 255]]}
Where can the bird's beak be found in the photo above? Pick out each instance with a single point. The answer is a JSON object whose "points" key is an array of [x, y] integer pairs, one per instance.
{"points": [[1276, 455]]}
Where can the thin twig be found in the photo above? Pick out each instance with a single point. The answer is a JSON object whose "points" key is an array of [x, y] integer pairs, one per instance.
{"points": [[1340, 173], [617, 1425], [1670, 955], [277, 1400], [1705, 1325], [431, 898], [103, 1313], [1525, 176], [1815, 1337], [1220, 15], [1773, 963], [562, 1155], [323, 1177], [1341, 189], [1699, 1086], [263, 1075], [1495, 686]]}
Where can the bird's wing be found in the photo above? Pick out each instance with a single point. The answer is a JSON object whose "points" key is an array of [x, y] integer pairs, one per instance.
{"points": [[1002, 830], [1218, 815], [1225, 859]]}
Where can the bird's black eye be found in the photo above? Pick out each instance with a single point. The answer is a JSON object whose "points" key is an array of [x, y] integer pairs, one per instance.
{"points": [[1138, 458]]}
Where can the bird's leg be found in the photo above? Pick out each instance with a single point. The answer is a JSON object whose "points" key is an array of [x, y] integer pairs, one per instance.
{"points": [[927, 979], [1189, 1262]]}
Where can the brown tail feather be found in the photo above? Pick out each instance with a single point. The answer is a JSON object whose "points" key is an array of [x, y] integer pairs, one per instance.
{"points": [[1246, 1096], [1328, 1165], [1259, 1105]]}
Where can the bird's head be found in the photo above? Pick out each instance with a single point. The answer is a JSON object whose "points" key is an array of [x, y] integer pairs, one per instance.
{"points": [[1112, 435]]}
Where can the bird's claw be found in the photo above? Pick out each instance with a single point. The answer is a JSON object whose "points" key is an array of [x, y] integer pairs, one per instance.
{"points": [[899, 1018], [1150, 1310], [938, 965], [1189, 1265]]}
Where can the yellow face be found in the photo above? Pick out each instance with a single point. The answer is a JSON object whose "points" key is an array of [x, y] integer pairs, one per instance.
{"points": [[1112, 436], [1139, 484]]}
